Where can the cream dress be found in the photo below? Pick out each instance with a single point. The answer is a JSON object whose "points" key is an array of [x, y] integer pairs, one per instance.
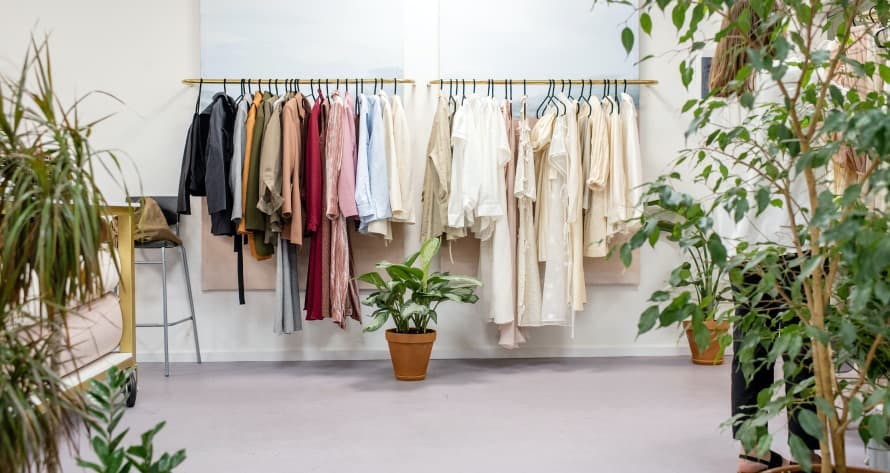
{"points": [[595, 225], [574, 211], [554, 229], [617, 213], [496, 265], [528, 280]]}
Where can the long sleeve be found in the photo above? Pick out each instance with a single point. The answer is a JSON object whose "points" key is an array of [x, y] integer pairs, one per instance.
{"points": [[332, 158], [237, 165], [270, 198], [218, 158], [346, 180], [392, 164], [632, 156], [617, 203], [313, 171], [404, 161], [363, 200], [600, 151]]}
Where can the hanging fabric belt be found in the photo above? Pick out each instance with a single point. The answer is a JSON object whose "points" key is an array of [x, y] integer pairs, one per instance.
{"points": [[239, 251]]}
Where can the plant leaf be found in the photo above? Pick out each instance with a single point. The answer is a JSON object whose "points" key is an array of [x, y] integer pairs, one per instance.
{"points": [[627, 39]]}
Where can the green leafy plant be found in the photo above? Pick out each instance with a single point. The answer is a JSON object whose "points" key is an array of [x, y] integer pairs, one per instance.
{"points": [[107, 407], [413, 294], [700, 281], [51, 232], [801, 105]]}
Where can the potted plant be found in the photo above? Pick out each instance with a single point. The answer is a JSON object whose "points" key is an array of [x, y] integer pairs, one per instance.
{"points": [[699, 282], [51, 232], [803, 111], [411, 298]]}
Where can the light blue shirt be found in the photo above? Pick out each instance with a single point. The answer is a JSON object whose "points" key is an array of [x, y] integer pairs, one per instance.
{"points": [[371, 180]]}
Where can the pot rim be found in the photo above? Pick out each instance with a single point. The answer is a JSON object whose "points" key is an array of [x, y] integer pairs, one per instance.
{"points": [[393, 331]]}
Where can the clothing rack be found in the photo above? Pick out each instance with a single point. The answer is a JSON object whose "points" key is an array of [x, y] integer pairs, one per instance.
{"points": [[295, 81], [545, 81]]}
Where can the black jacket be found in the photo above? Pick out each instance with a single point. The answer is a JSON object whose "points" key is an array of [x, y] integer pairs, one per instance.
{"points": [[205, 163]]}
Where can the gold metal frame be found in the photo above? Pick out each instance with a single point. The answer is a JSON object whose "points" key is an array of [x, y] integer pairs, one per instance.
{"points": [[125, 224]]}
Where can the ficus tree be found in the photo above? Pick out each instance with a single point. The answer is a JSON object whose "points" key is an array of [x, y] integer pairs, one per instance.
{"points": [[795, 124]]}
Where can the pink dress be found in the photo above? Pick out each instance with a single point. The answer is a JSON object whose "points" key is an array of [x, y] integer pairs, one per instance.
{"points": [[340, 167]]}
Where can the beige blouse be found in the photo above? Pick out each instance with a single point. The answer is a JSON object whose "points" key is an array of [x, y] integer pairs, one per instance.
{"points": [[595, 226], [437, 177]]}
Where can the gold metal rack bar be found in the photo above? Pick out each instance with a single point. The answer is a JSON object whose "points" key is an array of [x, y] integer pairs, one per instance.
{"points": [[297, 81], [545, 81]]}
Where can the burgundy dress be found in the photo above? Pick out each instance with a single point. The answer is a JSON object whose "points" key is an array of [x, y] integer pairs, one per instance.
{"points": [[314, 199]]}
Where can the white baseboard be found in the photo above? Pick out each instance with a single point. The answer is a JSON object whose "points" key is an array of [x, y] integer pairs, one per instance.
{"points": [[444, 354]]}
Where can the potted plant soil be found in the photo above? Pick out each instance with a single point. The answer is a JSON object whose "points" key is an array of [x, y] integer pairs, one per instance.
{"points": [[411, 298]]}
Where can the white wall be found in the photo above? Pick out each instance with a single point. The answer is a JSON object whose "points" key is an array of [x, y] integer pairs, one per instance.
{"points": [[139, 51]]}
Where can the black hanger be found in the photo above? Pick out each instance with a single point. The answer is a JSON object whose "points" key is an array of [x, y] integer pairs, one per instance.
{"points": [[225, 89], [617, 100], [570, 90], [362, 82], [580, 98], [451, 100], [327, 88], [590, 96], [375, 86], [463, 93], [395, 86], [625, 86], [200, 88], [474, 86], [543, 101]]}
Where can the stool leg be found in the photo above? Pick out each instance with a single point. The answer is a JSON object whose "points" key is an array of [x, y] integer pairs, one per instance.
{"points": [[188, 287], [164, 299]]}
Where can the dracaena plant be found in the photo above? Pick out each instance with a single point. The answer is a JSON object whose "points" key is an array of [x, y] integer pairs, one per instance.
{"points": [[51, 233], [412, 294], [789, 106]]}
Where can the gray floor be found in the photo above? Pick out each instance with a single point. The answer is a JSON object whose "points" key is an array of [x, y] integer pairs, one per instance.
{"points": [[561, 416]]}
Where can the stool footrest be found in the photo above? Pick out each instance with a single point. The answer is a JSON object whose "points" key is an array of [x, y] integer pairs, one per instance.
{"points": [[169, 324]]}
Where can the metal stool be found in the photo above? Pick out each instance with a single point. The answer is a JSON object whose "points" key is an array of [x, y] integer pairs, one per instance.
{"points": [[168, 206]]}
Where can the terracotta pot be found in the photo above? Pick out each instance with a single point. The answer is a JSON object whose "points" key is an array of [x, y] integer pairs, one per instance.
{"points": [[713, 354], [410, 353], [817, 468]]}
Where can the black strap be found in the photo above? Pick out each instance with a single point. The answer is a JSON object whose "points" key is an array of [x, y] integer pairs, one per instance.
{"points": [[239, 250], [775, 460]]}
